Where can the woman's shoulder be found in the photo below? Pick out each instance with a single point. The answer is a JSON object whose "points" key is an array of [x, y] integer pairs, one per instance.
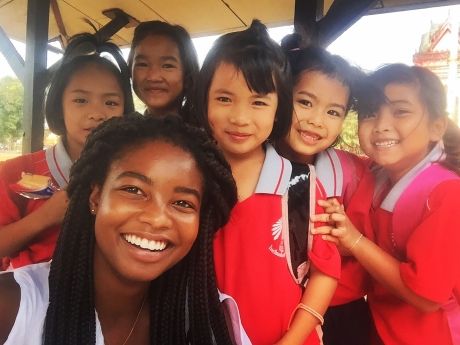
{"points": [[24, 297]]}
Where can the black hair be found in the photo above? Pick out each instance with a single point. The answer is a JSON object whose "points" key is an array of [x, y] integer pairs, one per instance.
{"points": [[188, 286], [84, 50], [431, 93], [318, 59], [187, 52], [264, 66]]}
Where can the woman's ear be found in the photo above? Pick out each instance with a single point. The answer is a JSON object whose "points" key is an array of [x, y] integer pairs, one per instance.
{"points": [[438, 128], [94, 199]]}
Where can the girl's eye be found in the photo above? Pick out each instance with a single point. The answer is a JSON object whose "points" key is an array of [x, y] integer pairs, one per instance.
{"points": [[80, 100], [223, 99], [112, 103], [305, 103], [400, 112], [369, 116], [132, 190], [260, 103], [334, 113], [168, 65], [140, 64]]}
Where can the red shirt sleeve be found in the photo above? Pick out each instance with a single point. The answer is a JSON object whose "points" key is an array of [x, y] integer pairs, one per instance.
{"points": [[432, 269]]}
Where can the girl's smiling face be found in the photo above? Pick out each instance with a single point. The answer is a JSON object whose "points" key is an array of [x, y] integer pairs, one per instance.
{"points": [[92, 96], [158, 73], [147, 211], [320, 106], [241, 120], [400, 133]]}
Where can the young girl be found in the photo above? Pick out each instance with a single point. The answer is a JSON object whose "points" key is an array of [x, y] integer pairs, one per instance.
{"points": [[323, 94], [244, 88], [85, 91], [404, 129], [164, 67], [134, 257]]}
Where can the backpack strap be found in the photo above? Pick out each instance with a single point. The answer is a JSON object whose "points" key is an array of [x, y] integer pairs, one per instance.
{"points": [[415, 199], [297, 206]]}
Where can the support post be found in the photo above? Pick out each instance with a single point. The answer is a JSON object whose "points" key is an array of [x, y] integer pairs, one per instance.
{"points": [[305, 20], [35, 74]]}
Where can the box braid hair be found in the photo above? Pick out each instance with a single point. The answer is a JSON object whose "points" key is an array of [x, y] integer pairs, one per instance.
{"points": [[190, 286]]}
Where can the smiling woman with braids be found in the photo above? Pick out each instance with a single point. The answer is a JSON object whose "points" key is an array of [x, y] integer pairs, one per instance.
{"points": [[135, 252]]}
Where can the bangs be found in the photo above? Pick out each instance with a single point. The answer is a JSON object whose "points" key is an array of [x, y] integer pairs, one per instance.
{"points": [[257, 69], [370, 98]]}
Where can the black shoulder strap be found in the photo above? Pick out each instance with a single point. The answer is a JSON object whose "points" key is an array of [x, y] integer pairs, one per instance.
{"points": [[298, 204]]}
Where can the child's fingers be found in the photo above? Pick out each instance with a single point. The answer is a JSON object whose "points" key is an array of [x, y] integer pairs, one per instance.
{"points": [[328, 217], [330, 238], [331, 206]]}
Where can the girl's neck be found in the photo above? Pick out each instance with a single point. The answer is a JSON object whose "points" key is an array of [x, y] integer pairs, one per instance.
{"points": [[286, 151], [246, 171], [74, 151]]}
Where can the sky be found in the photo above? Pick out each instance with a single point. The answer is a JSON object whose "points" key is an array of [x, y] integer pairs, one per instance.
{"points": [[372, 41]]}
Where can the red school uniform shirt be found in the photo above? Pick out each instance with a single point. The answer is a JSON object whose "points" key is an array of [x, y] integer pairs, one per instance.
{"points": [[250, 259], [430, 264], [348, 178], [53, 162]]}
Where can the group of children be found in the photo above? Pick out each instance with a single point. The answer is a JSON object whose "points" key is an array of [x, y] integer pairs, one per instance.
{"points": [[225, 215]]}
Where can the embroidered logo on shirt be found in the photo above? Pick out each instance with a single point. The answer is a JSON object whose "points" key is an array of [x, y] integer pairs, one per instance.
{"points": [[299, 178], [277, 247]]}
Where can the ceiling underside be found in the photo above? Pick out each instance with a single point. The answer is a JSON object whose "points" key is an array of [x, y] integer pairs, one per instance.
{"points": [[199, 17]]}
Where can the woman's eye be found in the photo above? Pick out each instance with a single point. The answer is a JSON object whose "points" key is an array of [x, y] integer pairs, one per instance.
{"points": [[168, 65], [184, 204], [133, 190]]}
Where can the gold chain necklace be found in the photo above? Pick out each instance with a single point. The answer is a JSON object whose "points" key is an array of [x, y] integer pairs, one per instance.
{"points": [[135, 320]]}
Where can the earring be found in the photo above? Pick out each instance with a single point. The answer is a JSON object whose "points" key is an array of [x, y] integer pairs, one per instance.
{"points": [[92, 210]]}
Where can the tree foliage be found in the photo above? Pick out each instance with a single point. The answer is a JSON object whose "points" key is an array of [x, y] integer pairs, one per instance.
{"points": [[349, 136], [11, 105]]}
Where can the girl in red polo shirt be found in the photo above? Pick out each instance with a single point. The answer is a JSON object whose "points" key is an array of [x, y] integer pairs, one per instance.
{"points": [[323, 94], [85, 90], [246, 99], [414, 259]]}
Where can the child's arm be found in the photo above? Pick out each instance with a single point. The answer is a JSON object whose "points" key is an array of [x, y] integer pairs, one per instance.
{"points": [[317, 295], [17, 235], [383, 267], [10, 297]]}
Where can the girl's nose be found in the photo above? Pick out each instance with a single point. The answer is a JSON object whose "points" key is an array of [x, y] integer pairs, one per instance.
{"points": [[384, 119], [239, 115]]}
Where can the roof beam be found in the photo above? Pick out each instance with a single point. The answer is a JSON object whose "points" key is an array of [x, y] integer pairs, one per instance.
{"points": [[341, 15], [11, 55], [35, 73], [306, 13]]}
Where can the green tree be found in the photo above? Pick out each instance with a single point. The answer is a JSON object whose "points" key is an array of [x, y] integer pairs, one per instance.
{"points": [[11, 105], [349, 136]]}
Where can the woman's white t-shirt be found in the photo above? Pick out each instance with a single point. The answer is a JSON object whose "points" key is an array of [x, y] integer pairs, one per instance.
{"points": [[28, 326]]}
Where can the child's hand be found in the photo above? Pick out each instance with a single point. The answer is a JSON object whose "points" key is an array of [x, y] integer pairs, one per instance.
{"points": [[338, 229], [53, 210]]}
